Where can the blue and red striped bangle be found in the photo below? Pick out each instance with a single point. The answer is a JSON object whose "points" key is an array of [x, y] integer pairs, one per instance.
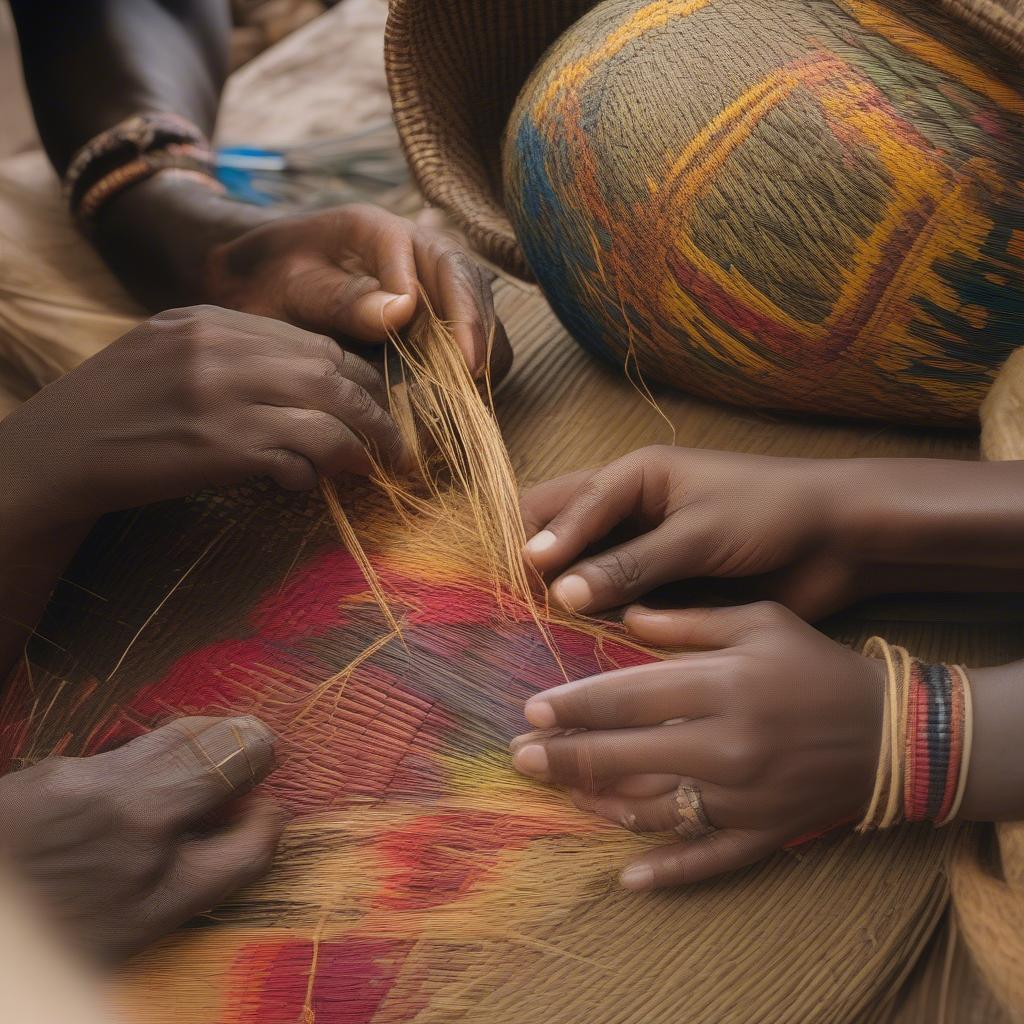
{"points": [[934, 741]]}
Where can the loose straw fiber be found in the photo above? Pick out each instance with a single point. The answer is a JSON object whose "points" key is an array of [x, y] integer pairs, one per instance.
{"points": [[988, 885], [422, 879]]}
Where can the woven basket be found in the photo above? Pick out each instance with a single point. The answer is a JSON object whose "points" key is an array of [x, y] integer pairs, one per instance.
{"points": [[456, 67]]}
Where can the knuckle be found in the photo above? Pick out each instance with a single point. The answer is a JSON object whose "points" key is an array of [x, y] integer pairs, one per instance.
{"points": [[359, 402], [262, 858], [324, 369], [741, 758], [590, 493], [320, 346], [454, 257], [769, 613], [619, 568], [291, 471], [65, 778]]}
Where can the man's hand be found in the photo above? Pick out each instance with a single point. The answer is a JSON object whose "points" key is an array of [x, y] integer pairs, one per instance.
{"points": [[355, 273], [124, 847], [196, 398]]}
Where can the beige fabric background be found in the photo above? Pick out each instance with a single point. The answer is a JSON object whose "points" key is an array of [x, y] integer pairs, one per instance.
{"points": [[559, 410]]}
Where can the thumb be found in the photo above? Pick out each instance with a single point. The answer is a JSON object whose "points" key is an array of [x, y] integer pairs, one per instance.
{"points": [[623, 573], [342, 305]]}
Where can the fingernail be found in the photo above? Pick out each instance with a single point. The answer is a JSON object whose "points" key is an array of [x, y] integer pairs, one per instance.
{"points": [[540, 714], [533, 736], [637, 877], [544, 541], [572, 592], [531, 760], [390, 299]]}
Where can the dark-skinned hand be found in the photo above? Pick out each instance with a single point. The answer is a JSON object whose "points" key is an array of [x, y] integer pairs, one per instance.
{"points": [[124, 847], [776, 725], [195, 398], [356, 273], [690, 514]]}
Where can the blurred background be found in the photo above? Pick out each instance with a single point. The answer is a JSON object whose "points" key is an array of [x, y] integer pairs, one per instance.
{"points": [[258, 25]]}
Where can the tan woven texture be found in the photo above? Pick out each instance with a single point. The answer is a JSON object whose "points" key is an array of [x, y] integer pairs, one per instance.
{"points": [[455, 68], [824, 936]]}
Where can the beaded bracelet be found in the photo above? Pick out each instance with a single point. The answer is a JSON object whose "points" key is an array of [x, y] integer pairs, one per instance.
{"points": [[132, 151], [927, 726]]}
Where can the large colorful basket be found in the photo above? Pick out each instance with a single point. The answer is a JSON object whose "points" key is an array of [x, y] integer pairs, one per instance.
{"points": [[805, 206]]}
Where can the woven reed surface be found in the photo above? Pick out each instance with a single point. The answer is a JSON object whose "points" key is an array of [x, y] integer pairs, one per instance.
{"points": [[820, 938], [455, 68], [988, 875], [823, 936]]}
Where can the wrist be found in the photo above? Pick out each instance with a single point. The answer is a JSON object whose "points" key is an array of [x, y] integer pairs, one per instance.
{"points": [[161, 235], [45, 498], [995, 780]]}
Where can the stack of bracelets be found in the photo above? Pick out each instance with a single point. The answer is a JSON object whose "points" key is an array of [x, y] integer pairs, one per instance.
{"points": [[926, 741], [132, 151]]}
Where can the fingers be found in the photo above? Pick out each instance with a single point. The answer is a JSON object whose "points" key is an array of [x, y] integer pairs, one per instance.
{"points": [[210, 867], [619, 574], [324, 441], [360, 298], [538, 506], [645, 695], [319, 386], [192, 766], [459, 290], [644, 785], [694, 861], [593, 760], [659, 812], [581, 516], [576, 511], [708, 628]]}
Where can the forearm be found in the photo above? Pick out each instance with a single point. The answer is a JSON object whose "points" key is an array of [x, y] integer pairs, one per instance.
{"points": [[91, 64], [930, 525], [39, 532], [158, 237], [995, 781]]}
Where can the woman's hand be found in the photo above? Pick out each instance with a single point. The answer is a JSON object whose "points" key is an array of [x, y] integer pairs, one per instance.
{"points": [[773, 725], [813, 534], [123, 847], [691, 514], [195, 398], [355, 272]]}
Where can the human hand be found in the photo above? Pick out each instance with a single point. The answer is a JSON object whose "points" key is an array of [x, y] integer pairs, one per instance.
{"points": [[355, 272], [692, 514], [195, 398], [125, 846], [775, 726]]}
